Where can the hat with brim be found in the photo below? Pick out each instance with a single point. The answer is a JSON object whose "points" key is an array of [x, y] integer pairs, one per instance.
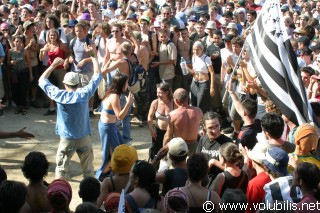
{"points": [[178, 147], [228, 37], [71, 78], [145, 18], [72, 22], [211, 25], [27, 24], [232, 26], [65, 22], [258, 153], [277, 161]]}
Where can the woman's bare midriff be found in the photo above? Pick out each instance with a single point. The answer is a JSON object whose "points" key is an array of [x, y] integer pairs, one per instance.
{"points": [[198, 76], [107, 118]]}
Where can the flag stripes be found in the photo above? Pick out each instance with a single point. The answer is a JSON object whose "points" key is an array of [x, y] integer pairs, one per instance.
{"points": [[276, 64]]}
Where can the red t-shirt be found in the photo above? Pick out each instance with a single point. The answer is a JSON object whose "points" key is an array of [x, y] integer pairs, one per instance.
{"points": [[255, 191]]}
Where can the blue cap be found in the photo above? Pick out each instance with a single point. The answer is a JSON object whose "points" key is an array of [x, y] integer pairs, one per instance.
{"points": [[72, 22], [113, 4], [132, 16], [192, 18], [182, 17], [277, 160]]}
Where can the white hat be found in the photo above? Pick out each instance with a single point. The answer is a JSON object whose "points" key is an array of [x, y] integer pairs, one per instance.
{"points": [[108, 13], [71, 78], [232, 26], [211, 25], [143, 7], [118, 12], [157, 23], [258, 153], [28, 6], [178, 147]]}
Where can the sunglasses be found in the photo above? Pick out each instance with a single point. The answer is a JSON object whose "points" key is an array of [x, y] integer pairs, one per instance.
{"points": [[14, 13], [115, 31], [5, 29]]}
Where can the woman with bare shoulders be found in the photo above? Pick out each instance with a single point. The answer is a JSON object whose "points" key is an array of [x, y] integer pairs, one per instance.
{"points": [[197, 168], [160, 109], [111, 112], [122, 160]]}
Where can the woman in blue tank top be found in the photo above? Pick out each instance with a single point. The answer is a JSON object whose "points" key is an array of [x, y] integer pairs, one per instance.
{"points": [[111, 111]]}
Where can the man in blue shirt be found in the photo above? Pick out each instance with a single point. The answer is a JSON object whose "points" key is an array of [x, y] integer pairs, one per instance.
{"points": [[73, 123]]}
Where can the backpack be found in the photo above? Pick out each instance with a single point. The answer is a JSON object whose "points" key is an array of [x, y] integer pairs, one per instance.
{"points": [[137, 78], [73, 41]]}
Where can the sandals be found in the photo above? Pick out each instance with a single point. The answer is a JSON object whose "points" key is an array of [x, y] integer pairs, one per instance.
{"points": [[20, 110]]}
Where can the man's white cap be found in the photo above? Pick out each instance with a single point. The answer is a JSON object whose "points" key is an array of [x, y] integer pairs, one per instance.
{"points": [[71, 78]]}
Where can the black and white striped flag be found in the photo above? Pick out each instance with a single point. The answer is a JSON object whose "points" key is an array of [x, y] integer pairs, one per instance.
{"points": [[276, 64]]}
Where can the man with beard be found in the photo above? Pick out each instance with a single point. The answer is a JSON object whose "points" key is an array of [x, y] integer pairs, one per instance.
{"points": [[210, 143]]}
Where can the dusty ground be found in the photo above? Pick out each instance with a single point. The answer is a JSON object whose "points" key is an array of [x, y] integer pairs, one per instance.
{"points": [[13, 151]]}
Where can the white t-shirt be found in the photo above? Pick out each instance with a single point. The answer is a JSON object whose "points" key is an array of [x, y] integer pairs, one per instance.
{"points": [[200, 64]]}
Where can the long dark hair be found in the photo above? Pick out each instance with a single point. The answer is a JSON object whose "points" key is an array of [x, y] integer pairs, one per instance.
{"points": [[55, 20], [147, 177], [119, 80], [310, 175]]}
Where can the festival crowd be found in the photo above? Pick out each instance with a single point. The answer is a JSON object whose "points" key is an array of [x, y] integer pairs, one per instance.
{"points": [[178, 68]]}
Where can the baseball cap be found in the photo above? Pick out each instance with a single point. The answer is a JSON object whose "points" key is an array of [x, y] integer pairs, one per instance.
{"points": [[178, 147], [182, 17], [241, 10], [157, 23], [27, 24], [284, 8], [227, 13], [108, 13], [72, 22], [211, 25], [232, 26], [132, 16], [28, 6], [304, 16], [15, 2], [113, 4], [193, 18], [277, 160], [305, 40], [242, 3], [71, 78], [258, 153], [65, 22], [85, 16], [228, 37], [146, 18], [123, 158], [316, 46], [143, 7], [118, 12]]}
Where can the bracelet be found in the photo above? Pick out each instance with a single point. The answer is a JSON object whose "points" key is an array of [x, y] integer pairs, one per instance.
{"points": [[156, 158]]}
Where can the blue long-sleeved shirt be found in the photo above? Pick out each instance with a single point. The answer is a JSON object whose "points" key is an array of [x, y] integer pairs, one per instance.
{"points": [[73, 120]]}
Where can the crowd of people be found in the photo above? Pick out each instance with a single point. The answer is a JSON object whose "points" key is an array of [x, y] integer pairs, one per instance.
{"points": [[180, 68]]}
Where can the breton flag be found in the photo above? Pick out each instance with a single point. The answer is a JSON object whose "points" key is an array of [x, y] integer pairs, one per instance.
{"points": [[276, 64]]}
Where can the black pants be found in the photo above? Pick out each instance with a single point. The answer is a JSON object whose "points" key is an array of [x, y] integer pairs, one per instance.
{"points": [[19, 86]]}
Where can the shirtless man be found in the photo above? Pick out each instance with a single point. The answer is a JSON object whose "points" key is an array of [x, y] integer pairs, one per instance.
{"points": [[113, 50], [184, 121], [184, 48], [199, 7]]}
